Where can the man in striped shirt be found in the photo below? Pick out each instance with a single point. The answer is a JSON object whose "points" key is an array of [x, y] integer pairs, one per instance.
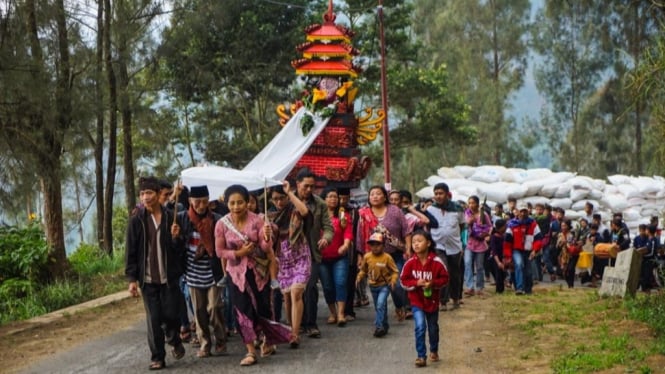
{"points": [[203, 269]]}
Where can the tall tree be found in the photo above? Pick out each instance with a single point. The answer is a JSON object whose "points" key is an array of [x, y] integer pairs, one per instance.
{"points": [[231, 66], [37, 105], [483, 44], [572, 40]]}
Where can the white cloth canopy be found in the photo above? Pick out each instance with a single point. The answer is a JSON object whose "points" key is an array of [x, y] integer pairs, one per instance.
{"points": [[270, 166], [277, 158], [218, 178]]}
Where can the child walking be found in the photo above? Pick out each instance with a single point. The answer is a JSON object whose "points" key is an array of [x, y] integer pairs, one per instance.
{"points": [[422, 277], [381, 270]]}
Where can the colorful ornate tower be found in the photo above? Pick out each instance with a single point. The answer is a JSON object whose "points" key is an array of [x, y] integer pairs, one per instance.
{"points": [[328, 69]]}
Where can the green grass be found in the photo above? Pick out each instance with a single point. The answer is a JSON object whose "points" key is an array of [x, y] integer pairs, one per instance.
{"points": [[584, 332]]}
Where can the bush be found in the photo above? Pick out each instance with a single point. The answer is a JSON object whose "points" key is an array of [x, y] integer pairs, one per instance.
{"points": [[62, 294], [89, 260], [23, 253]]}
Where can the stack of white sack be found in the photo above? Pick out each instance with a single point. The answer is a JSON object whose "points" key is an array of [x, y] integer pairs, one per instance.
{"points": [[638, 198]]}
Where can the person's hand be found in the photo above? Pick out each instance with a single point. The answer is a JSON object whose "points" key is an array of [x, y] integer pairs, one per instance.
{"points": [[421, 283], [267, 231], [323, 243], [175, 230], [342, 249], [532, 255], [392, 286], [286, 186], [245, 250], [133, 289]]}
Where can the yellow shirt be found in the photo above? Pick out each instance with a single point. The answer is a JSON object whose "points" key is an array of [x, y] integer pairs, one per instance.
{"points": [[379, 269]]}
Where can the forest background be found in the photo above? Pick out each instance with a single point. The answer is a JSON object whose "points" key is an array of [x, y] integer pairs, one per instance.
{"points": [[96, 93]]}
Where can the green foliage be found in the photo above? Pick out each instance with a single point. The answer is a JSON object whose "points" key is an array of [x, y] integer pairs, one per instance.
{"points": [[23, 252], [89, 260], [119, 226]]}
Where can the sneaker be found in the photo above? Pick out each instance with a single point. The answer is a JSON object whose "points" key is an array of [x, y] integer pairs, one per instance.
{"points": [[421, 362], [519, 292], [314, 333]]}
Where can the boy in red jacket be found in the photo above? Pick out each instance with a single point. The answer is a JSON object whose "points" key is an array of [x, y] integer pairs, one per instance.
{"points": [[422, 277]]}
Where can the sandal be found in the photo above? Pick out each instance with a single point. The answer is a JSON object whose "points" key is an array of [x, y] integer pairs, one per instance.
{"points": [[157, 365], [434, 357], [202, 354], [248, 360], [185, 335], [294, 342], [400, 314], [332, 320], [341, 322], [195, 342], [178, 351], [268, 350], [220, 348], [421, 362]]}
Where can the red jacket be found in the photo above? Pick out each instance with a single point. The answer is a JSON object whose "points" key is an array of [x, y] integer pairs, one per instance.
{"points": [[433, 270], [522, 235]]}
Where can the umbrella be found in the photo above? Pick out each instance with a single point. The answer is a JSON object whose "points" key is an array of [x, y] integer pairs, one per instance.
{"points": [[218, 178]]}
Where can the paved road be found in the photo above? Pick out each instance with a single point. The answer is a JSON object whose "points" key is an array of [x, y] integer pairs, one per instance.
{"points": [[351, 349]]}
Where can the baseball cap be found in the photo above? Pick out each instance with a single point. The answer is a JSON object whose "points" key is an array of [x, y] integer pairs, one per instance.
{"points": [[376, 237], [522, 206]]}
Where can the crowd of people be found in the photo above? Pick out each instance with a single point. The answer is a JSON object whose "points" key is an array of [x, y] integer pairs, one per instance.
{"points": [[250, 262]]}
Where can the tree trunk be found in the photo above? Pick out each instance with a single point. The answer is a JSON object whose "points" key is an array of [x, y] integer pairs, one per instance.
{"points": [[113, 132], [126, 113], [98, 142], [52, 134]]}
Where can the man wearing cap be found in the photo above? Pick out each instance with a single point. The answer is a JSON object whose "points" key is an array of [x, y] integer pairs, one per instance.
{"points": [[446, 223], [153, 263], [195, 229], [521, 243]]}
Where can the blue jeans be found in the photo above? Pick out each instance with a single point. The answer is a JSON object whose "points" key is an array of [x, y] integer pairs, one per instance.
{"points": [[523, 277], [188, 310], [474, 261], [399, 294], [548, 259], [380, 297], [426, 322], [333, 277]]}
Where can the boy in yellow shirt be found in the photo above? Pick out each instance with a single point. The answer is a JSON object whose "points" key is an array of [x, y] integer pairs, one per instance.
{"points": [[382, 275]]}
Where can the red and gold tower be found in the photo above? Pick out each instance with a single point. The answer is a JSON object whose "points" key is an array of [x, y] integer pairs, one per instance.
{"points": [[328, 69]]}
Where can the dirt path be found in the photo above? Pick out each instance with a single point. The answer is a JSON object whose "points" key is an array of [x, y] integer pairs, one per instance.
{"points": [[19, 350], [473, 339]]}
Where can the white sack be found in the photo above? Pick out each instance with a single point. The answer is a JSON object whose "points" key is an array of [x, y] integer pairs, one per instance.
{"points": [[466, 171], [647, 185], [426, 192], [449, 173], [577, 195], [615, 202], [579, 205], [618, 179], [488, 174], [563, 203], [628, 191]]}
